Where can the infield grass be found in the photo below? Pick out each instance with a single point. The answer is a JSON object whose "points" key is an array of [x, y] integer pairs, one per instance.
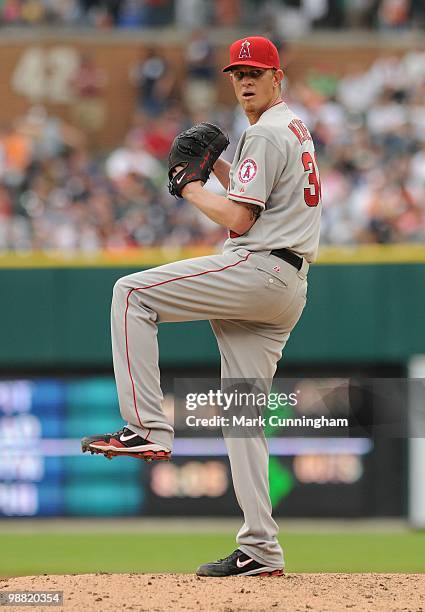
{"points": [[61, 553]]}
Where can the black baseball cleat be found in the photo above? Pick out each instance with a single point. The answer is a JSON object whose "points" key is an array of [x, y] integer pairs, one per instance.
{"points": [[125, 443], [237, 564]]}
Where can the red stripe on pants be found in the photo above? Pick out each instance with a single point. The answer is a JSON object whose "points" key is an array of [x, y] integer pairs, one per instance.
{"points": [[150, 287]]}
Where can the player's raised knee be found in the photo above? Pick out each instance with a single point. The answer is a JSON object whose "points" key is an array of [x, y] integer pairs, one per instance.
{"points": [[122, 287]]}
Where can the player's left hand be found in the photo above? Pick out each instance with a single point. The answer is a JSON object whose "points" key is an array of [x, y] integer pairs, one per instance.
{"points": [[194, 152], [186, 189]]}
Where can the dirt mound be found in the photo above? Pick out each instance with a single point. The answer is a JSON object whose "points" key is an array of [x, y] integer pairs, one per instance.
{"points": [[293, 592]]}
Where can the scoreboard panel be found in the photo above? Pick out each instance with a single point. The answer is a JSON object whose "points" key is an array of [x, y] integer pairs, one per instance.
{"points": [[44, 473]]}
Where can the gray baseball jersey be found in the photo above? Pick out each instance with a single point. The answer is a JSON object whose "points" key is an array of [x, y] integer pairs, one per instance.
{"points": [[274, 167]]}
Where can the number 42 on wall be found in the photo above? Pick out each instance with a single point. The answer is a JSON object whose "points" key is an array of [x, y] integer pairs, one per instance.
{"points": [[45, 75]]}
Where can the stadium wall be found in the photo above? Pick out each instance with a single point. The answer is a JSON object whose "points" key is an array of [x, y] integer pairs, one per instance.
{"points": [[59, 318], [39, 69]]}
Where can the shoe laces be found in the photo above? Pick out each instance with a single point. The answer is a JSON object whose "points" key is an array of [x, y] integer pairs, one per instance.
{"points": [[231, 557], [117, 433]]}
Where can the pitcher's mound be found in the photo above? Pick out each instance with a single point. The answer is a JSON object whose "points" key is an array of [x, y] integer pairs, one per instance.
{"points": [[169, 592]]}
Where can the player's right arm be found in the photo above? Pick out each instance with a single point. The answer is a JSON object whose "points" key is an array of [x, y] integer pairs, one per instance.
{"points": [[232, 215], [221, 169]]}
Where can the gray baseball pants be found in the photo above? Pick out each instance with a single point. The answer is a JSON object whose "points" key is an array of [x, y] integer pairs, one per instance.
{"points": [[253, 301]]}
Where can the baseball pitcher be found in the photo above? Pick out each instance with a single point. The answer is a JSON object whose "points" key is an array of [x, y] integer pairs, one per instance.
{"points": [[253, 293]]}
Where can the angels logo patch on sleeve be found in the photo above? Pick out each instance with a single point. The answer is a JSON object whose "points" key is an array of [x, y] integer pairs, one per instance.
{"points": [[247, 170]]}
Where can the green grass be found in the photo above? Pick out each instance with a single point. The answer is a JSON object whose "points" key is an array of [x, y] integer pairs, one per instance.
{"points": [[26, 554]]}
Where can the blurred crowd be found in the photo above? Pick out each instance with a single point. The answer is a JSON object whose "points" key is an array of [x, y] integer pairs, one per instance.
{"points": [[292, 16], [369, 130]]}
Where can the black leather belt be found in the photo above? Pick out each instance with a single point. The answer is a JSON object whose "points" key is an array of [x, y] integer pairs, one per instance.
{"points": [[289, 257]]}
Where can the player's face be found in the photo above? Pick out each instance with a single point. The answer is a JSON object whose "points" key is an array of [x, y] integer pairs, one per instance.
{"points": [[255, 88]]}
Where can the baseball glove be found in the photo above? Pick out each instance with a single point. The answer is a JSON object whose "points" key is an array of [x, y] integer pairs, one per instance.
{"points": [[196, 149]]}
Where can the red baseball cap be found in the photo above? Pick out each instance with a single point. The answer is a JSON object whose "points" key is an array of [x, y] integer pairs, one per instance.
{"points": [[253, 51]]}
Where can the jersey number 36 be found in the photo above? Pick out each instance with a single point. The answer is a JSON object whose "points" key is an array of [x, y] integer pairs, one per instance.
{"points": [[313, 193]]}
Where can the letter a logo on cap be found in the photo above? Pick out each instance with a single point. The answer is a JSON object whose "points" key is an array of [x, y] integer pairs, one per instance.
{"points": [[244, 52]]}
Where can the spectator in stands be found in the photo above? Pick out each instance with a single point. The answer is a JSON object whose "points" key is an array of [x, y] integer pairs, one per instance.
{"points": [[15, 155], [200, 87], [11, 11], [191, 14], [33, 12], [159, 137], [145, 13], [394, 14], [356, 91], [132, 159], [103, 13], [360, 13], [418, 14], [154, 82], [130, 14], [417, 171], [49, 135], [88, 84], [157, 13], [227, 13], [387, 121]]}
